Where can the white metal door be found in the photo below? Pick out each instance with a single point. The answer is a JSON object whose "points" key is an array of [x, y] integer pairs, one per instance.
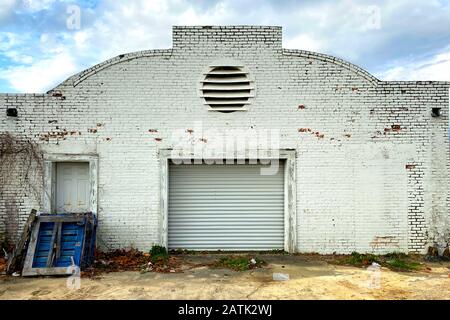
{"points": [[225, 207], [72, 187]]}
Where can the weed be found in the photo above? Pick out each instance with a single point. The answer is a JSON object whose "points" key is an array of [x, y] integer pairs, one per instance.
{"points": [[396, 261], [239, 263], [402, 265], [158, 253], [359, 259]]}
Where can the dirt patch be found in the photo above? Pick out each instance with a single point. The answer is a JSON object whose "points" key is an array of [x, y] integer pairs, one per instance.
{"points": [[395, 261], [310, 277], [129, 260]]}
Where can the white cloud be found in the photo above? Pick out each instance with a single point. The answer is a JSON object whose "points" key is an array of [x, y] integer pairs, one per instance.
{"points": [[37, 5], [304, 42], [41, 76], [18, 57], [436, 68], [378, 37], [8, 40], [6, 8]]}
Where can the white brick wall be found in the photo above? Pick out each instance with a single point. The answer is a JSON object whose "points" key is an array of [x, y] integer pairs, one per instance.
{"points": [[373, 165]]}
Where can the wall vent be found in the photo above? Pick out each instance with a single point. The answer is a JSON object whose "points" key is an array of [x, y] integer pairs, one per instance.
{"points": [[227, 88]]}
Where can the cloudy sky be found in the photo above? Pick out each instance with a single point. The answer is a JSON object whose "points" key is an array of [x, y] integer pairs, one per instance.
{"points": [[42, 42]]}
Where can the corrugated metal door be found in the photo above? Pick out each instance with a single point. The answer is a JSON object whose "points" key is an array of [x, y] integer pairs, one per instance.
{"points": [[225, 207]]}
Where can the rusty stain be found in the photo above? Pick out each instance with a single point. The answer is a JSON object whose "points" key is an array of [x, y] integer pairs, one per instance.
{"points": [[304, 130], [355, 89], [394, 128], [152, 130], [108, 139], [204, 140], [158, 139], [410, 166], [189, 131], [92, 130], [58, 94], [99, 124], [46, 136], [301, 106], [348, 135], [319, 135], [383, 241]]}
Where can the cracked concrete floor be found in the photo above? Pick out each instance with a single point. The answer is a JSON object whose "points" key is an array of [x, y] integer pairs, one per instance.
{"points": [[309, 279]]}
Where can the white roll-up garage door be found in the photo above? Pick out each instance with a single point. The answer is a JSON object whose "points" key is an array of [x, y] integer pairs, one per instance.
{"points": [[225, 207]]}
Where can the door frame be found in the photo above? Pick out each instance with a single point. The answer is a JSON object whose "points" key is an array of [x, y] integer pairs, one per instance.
{"points": [[290, 193], [49, 187]]}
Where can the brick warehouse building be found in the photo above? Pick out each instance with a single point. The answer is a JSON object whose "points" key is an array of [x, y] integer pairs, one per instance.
{"points": [[363, 163]]}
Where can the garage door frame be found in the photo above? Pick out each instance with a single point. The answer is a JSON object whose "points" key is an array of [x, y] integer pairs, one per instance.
{"points": [[290, 201]]}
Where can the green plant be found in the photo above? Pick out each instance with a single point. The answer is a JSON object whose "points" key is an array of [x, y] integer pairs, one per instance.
{"points": [[396, 255], [400, 264], [360, 259], [396, 261], [158, 253], [239, 263]]}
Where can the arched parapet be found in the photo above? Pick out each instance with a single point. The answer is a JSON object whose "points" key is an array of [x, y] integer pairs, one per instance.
{"points": [[337, 61], [83, 75]]}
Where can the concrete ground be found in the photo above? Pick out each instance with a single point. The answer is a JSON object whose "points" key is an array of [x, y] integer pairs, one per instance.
{"points": [[309, 278]]}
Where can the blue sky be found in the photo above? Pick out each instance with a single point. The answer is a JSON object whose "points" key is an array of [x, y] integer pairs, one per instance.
{"points": [[394, 40]]}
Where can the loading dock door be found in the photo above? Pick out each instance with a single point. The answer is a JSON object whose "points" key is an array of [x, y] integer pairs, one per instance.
{"points": [[225, 207]]}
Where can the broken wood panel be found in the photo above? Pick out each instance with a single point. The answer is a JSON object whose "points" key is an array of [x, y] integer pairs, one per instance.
{"points": [[17, 258]]}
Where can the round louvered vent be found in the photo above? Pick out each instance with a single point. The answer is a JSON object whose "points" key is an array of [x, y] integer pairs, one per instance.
{"points": [[227, 88]]}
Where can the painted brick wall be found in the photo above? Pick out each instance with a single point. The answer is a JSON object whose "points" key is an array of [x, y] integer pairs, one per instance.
{"points": [[372, 164]]}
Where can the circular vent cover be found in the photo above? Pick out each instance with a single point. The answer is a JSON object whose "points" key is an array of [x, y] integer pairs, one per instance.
{"points": [[227, 88]]}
